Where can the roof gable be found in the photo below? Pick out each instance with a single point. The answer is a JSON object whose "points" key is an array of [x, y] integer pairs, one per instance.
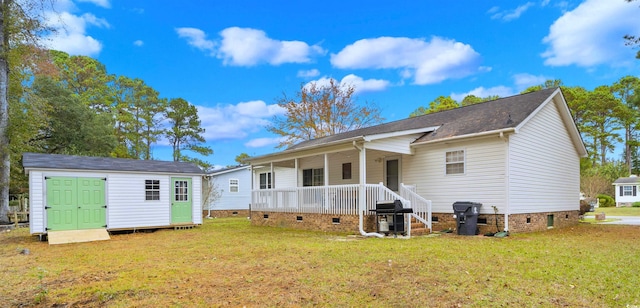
{"points": [[503, 113], [72, 162]]}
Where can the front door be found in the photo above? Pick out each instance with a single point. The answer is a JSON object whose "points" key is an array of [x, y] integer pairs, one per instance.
{"points": [[181, 210], [75, 203], [392, 174]]}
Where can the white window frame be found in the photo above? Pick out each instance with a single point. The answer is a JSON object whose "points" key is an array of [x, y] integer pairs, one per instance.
{"points": [[268, 184], [316, 179], [459, 159], [627, 190], [151, 190], [234, 183]]}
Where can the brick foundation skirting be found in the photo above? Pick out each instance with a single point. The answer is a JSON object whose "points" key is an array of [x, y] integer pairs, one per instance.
{"points": [[226, 213], [308, 221], [518, 223]]}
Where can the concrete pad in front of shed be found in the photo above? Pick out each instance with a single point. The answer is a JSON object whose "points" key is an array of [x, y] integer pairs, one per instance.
{"points": [[77, 236]]}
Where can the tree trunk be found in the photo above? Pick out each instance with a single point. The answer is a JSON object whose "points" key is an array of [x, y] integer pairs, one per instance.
{"points": [[627, 148], [4, 115]]}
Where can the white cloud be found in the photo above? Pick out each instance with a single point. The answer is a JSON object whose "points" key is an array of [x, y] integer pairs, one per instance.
{"points": [[501, 91], [544, 2], [102, 3], [236, 121], [248, 47], [138, 43], [360, 85], [263, 142], [71, 34], [523, 81], [197, 38], [509, 15], [591, 34], [308, 73], [427, 61]]}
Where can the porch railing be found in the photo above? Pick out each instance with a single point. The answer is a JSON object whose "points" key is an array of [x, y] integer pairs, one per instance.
{"points": [[421, 206], [333, 199]]}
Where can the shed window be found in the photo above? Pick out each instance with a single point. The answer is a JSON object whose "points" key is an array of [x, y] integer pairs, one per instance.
{"points": [[234, 185], [265, 180], [455, 162], [152, 190]]}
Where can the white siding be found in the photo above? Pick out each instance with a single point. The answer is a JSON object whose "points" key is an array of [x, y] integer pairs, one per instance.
{"points": [[36, 202], [125, 198], [232, 200], [398, 144], [127, 207], [544, 167], [196, 195], [483, 180]]}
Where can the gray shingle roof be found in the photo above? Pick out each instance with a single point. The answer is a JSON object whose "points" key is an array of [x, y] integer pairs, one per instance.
{"points": [[629, 180], [71, 162], [498, 114]]}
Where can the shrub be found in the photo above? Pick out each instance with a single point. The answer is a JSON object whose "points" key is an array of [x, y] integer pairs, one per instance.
{"points": [[636, 204], [606, 201], [584, 207]]}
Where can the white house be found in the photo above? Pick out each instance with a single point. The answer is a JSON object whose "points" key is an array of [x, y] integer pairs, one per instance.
{"points": [[232, 186], [519, 156], [80, 193], [626, 190]]}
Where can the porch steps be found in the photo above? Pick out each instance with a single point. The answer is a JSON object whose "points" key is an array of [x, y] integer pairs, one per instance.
{"points": [[418, 228]]}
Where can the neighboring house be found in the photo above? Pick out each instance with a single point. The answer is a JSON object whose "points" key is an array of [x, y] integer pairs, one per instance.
{"points": [[75, 193], [626, 190], [232, 187], [519, 154]]}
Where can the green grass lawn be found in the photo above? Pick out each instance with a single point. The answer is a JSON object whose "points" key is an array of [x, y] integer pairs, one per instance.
{"points": [[227, 262], [616, 211]]}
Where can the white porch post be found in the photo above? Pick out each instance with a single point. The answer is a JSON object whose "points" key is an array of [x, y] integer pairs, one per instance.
{"points": [[362, 202], [271, 180], [298, 191], [326, 182]]}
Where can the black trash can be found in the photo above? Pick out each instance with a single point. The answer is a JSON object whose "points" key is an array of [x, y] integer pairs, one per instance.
{"points": [[466, 214]]}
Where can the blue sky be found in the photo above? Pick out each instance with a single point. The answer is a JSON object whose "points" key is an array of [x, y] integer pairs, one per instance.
{"points": [[233, 59]]}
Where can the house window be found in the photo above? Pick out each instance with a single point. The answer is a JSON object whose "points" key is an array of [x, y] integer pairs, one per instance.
{"points": [[313, 177], [628, 191], [455, 162], [152, 190], [346, 171], [266, 180], [234, 185]]}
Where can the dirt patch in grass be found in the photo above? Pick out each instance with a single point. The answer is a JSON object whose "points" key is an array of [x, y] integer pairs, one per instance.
{"points": [[227, 262]]}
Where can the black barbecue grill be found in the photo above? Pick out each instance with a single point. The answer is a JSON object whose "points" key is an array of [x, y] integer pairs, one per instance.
{"points": [[392, 208]]}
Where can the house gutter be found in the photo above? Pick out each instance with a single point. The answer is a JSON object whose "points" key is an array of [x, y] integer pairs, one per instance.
{"points": [[264, 158], [363, 177], [501, 132]]}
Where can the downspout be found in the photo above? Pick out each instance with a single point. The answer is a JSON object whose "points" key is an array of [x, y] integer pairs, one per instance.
{"points": [[209, 205], [361, 200]]}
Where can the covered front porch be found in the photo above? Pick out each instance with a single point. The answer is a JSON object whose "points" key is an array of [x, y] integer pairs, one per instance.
{"points": [[339, 186]]}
